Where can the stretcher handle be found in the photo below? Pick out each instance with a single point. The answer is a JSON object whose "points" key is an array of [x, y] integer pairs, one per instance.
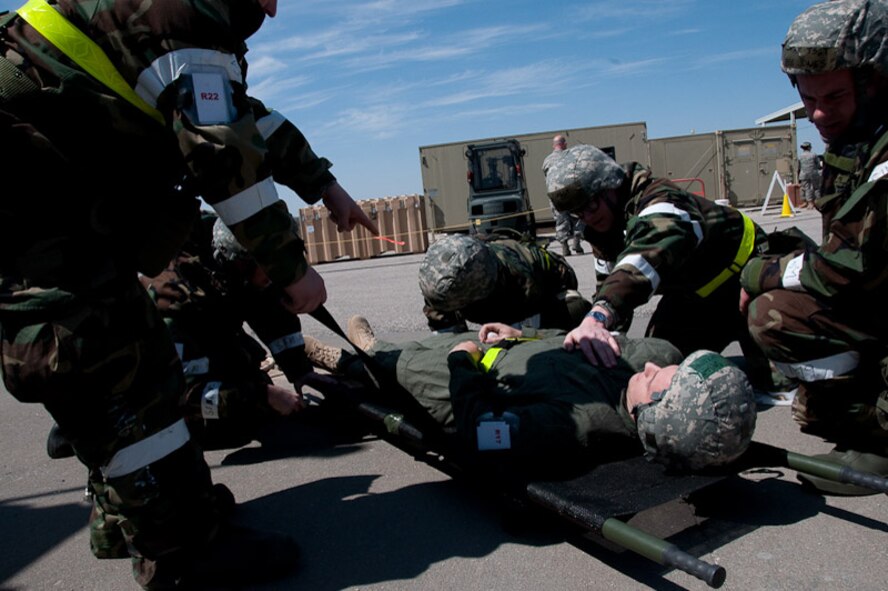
{"points": [[662, 552], [835, 472], [764, 454]]}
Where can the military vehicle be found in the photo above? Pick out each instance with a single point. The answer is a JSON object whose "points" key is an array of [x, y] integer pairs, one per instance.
{"points": [[498, 197]]}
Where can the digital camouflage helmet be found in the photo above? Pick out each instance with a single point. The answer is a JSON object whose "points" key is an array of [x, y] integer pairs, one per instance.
{"points": [[456, 271], [579, 175], [836, 35], [226, 248], [704, 419]]}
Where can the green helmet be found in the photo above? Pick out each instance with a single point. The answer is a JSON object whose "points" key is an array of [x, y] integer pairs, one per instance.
{"points": [[704, 419], [837, 35], [579, 174]]}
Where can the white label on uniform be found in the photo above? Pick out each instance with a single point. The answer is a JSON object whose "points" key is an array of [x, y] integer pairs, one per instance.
{"points": [[493, 435], [309, 229], [209, 97], [878, 172], [209, 402]]}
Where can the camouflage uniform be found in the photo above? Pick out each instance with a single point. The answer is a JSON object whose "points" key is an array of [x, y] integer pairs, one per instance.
{"points": [[809, 174], [666, 241], [519, 283], [205, 301], [103, 189], [562, 407], [818, 313], [566, 226]]}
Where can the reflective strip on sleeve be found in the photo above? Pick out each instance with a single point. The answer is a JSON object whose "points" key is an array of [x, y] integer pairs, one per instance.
{"points": [[269, 124], [825, 368], [490, 358], [603, 267], [247, 203], [670, 209], [792, 275], [638, 262], [747, 245], [196, 367], [167, 68], [878, 172], [291, 341], [147, 451], [209, 401]]}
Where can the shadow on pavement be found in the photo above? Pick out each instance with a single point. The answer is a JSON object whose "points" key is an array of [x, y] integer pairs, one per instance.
{"points": [[386, 536], [30, 532]]}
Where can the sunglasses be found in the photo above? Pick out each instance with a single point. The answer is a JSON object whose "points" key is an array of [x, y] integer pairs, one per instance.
{"points": [[592, 205]]}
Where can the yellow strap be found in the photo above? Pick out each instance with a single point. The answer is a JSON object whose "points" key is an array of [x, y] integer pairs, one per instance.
{"points": [[547, 261], [747, 245], [490, 358], [82, 50]]}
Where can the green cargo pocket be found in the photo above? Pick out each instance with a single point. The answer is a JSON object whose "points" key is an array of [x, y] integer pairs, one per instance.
{"points": [[31, 361]]}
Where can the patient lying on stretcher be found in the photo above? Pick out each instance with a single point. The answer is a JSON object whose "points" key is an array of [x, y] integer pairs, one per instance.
{"points": [[522, 391]]}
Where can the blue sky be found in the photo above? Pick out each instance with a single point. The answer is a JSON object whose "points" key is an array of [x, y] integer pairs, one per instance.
{"points": [[368, 82]]}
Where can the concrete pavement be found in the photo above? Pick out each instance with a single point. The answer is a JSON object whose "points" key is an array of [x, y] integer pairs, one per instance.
{"points": [[370, 517]]}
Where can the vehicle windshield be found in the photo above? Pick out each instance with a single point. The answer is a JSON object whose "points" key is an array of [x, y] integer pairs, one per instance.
{"points": [[494, 170]]}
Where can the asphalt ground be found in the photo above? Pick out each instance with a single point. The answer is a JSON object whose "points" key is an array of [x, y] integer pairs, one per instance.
{"points": [[370, 517]]}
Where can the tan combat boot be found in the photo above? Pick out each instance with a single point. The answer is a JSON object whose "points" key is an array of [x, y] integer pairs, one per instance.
{"points": [[360, 333], [323, 355]]}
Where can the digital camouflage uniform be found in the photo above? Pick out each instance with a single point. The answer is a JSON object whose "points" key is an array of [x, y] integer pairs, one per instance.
{"points": [[566, 226], [518, 283], [561, 407], [819, 313], [809, 175], [103, 189], [205, 300]]}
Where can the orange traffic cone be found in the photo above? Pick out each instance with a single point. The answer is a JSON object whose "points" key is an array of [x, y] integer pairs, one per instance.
{"points": [[786, 212]]}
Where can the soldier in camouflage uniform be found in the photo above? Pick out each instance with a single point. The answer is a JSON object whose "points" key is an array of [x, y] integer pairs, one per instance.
{"points": [[819, 312], [205, 296], [556, 408], [566, 226], [110, 146], [495, 279], [659, 239], [809, 175]]}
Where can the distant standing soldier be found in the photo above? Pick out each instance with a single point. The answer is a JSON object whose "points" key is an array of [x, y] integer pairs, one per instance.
{"points": [[819, 313], [467, 278], [115, 116], [662, 240], [809, 175], [566, 227]]}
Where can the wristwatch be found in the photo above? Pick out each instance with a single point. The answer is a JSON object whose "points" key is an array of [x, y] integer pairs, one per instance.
{"points": [[599, 316]]}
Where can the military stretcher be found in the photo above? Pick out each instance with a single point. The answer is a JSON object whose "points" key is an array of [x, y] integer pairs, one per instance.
{"points": [[599, 499]]}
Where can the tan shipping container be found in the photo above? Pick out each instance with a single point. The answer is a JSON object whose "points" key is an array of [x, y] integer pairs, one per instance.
{"points": [[402, 228]]}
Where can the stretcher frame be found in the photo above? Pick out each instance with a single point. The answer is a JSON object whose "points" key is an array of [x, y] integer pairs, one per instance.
{"points": [[586, 501], [582, 500]]}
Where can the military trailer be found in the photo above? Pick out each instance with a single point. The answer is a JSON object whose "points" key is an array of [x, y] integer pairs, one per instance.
{"points": [[445, 183], [734, 165]]}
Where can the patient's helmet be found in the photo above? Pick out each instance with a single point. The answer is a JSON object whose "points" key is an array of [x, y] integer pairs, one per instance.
{"points": [[704, 419]]}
